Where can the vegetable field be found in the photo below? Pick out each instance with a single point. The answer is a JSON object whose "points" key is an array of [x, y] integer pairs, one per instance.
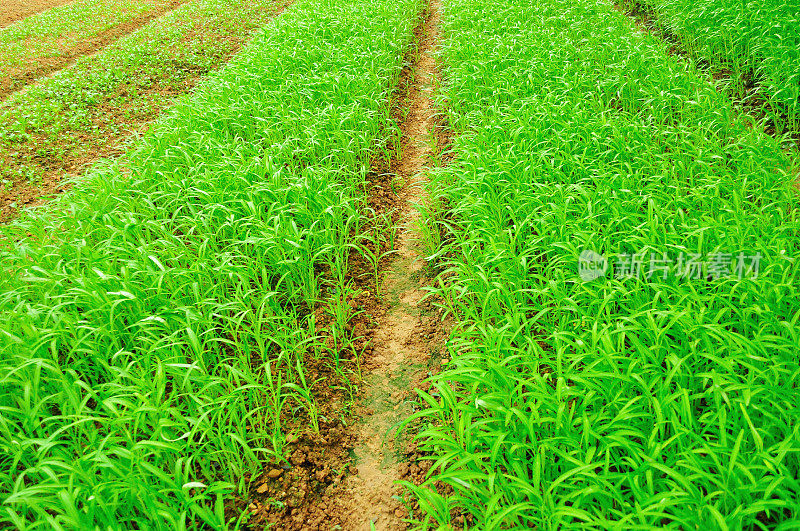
{"points": [[757, 43], [54, 129], [371, 264], [148, 353], [35, 44], [14, 10]]}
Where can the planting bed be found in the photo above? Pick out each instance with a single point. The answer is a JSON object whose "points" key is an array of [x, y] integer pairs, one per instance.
{"points": [[157, 321], [391, 264], [636, 398], [58, 127]]}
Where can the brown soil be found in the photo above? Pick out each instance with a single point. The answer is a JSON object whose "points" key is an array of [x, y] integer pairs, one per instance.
{"points": [[38, 67], [369, 497], [14, 10], [345, 479], [81, 150], [402, 340]]}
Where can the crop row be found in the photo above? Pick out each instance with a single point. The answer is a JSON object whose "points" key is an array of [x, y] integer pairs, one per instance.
{"points": [[157, 318], [754, 40], [621, 253], [89, 109], [28, 45], [13, 10]]}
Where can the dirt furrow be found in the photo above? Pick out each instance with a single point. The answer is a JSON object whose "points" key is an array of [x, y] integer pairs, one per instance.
{"points": [[344, 477], [401, 351], [406, 333]]}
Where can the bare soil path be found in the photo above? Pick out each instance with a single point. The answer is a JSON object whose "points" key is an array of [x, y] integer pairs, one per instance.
{"points": [[14, 10], [401, 347], [344, 478]]}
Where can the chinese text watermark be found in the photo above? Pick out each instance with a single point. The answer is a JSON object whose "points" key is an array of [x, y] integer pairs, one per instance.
{"points": [[684, 266]]}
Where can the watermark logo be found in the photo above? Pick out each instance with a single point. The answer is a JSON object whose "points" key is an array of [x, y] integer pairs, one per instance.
{"points": [[591, 265], [685, 266]]}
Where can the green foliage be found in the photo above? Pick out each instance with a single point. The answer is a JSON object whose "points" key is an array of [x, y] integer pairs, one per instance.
{"points": [[86, 107], [57, 30], [619, 403], [754, 38], [156, 319]]}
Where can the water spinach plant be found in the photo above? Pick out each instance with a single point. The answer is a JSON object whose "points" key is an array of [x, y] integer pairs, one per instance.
{"points": [[756, 42], [641, 392], [156, 319]]}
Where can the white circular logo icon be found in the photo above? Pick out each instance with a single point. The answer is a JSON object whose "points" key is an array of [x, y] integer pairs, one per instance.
{"points": [[591, 265]]}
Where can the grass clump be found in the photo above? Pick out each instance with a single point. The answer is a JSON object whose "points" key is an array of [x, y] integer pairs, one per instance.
{"points": [[157, 318]]}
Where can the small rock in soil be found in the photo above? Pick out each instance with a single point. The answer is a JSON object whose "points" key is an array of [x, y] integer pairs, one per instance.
{"points": [[402, 469], [298, 457]]}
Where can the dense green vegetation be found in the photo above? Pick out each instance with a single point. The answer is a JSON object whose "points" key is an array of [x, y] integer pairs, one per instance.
{"points": [[621, 402], [159, 321], [91, 106], [156, 320], [758, 39], [56, 31]]}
